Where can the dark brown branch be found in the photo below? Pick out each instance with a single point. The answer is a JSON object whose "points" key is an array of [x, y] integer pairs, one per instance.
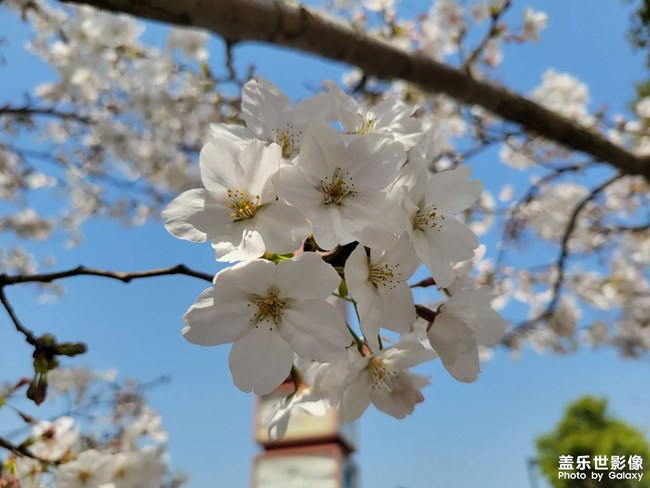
{"points": [[29, 335], [425, 313], [510, 227], [285, 24], [22, 451], [426, 282], [561, 262], [48, 112], [622, 229], [179, 269]]}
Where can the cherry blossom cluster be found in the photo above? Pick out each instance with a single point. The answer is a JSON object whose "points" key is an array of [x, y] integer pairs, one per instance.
{"points": [[122, 447], [119, 125], [329, 199]]}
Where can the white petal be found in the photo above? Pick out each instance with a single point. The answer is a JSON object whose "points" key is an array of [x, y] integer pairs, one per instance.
{"points": [[260, 361], [217, 163], [356, 395], [431, 256], [282, 227], [390, 110], [315, 329], [254, 277], [372, 160], [278, 424], [321, 153], [264, 107], [250, 246], [316, 108], [330, 228], [257, 163], [194, 216], [290, 184], [372, 218], [490, 327], [357, 272], [399, 308], [406, 354], [455, 239], [235, 133], [345, 107], [451, 191], [454, 342], [408, 132], [402, 400], [209, 324], [306, 276], [404, 254]]}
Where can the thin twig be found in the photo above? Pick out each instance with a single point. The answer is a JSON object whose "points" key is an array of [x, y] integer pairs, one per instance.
{"points": [[492, 32], [124, 277], [27, 111], [561, 263], [22, 451], [425, 313], [29, 335], [510, 226], [426, 282]]}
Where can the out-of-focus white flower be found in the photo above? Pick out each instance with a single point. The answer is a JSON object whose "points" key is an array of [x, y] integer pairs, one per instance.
{"points": [[563, 93], [52, 440], [191, 43], [534, 22], [90, 469]]}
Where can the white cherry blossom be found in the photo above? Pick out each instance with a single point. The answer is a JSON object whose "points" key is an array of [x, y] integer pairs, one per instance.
{"points": [[271, 117], [29, 472], [376, 279], [138, 469], [341, 188], [438, 238], [238, 209], [190, 42], [390, 117], [54, 439], [534, 22], [268, 312], [91, 469]]}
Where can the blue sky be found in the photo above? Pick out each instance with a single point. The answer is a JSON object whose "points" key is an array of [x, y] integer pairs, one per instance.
{"points": [[463, 435]]}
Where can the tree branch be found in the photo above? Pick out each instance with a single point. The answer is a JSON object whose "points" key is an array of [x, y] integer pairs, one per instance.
{"points": [[22, 451], [27, 111], [181, 269], [281, 23], [491, 33], [561, 263], [29, 335]]}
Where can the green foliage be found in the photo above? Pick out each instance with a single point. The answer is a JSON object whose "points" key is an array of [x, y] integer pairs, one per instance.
{"points": [[639, 37], [639, 33], [588, 429]]}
